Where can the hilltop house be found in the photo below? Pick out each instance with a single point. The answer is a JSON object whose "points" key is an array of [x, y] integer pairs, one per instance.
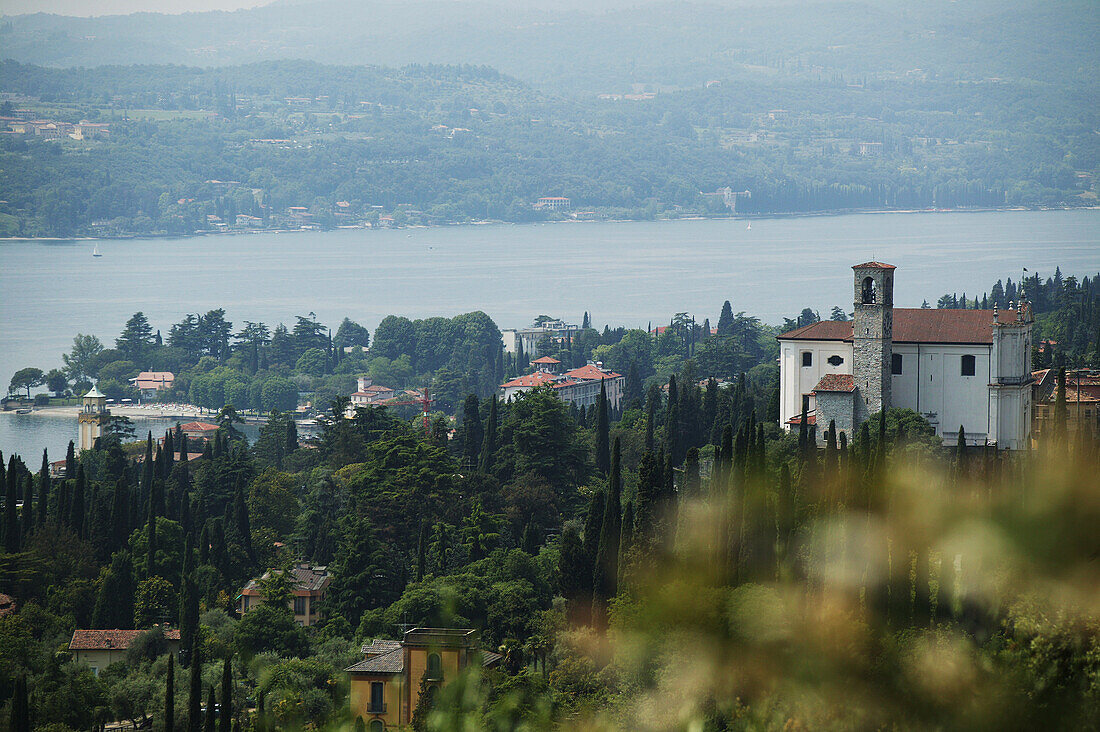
{"points": [[385, 685], [309, 586], [955, 367]]}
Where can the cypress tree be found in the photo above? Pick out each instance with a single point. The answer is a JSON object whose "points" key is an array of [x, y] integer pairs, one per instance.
{"points": [[43, 487], [11, 517], [626, 536], [211, 711], [421, 551], [151, 537], [632, 393], [831, 462], [672, 421], [691, 473], [70, 461], [189, 603], [240, 510], [77, 510], [961, 452], [472, 432], [605, 581], [120, 512], [1061, 408], [170, 446], [603, 432], [591, 539], [227, 697], [489, 443], [27, 514], [652, 398], [170, 695], [649, 485], [194, 702]]}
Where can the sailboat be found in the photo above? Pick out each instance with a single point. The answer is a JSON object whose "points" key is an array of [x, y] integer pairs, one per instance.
{"points": [[95, 251], [749, 227]]}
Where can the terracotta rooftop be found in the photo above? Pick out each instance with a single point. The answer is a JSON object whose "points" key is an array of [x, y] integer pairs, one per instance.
{"points": [[914, 325], [878, 265], [546, 359], [536, 379], [589, 372], [797, 419], [103, 640], [198, 427], [836, 382]]}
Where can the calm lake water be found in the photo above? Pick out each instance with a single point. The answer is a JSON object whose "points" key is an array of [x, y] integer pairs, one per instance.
{"points": [[622, 273]]}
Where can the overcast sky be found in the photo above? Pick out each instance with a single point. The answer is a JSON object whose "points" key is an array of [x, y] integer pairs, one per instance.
{"points": [[115, 7]]}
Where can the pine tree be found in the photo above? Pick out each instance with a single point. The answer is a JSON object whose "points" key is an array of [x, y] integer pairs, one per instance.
{"points": [[605, 580], [227, 697], [170, 695], [489, 443], [603, 432]]}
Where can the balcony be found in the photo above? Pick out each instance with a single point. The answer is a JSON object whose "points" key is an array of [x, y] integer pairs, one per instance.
{"points": [[376, 708]]}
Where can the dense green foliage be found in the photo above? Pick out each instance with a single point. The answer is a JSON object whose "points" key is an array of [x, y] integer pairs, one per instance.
{"points": [[450, 144]]}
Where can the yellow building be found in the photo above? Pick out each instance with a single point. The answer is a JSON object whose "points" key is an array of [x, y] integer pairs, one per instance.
{"points": [[309, 584], [385, 685], [93, 417]]}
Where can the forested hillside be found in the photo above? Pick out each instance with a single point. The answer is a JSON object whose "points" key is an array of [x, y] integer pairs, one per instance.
{"points": [[189, 149]]}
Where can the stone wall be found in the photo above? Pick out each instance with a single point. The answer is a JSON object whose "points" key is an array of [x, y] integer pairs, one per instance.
{"points": [[839, 406]]}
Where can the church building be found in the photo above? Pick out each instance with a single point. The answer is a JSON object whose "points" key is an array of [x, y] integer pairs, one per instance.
{"points": [[968, 368]]}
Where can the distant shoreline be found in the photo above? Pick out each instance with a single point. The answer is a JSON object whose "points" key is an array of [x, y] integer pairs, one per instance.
{"points": [[735, 217]]}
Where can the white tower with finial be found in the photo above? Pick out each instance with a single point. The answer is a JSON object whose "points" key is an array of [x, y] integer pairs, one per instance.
{"points": [[93, 417]]}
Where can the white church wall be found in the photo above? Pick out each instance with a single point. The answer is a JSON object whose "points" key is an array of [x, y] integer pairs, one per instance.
{"points": [[949, 399], [798, 379]]}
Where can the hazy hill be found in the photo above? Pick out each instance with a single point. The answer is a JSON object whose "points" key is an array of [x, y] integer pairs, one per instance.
{"points": [[601, 46]]}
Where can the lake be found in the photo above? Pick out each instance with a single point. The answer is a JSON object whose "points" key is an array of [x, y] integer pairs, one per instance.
{"points": [[622, 273]]}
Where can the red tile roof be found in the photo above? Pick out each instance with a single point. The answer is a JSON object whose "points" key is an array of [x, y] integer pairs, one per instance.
{"points": [[915, 325], [836, 382], [103, 640], [198, 427], [546, 359], [536, 379], [797, 419], [879, 265], [588, 372]]}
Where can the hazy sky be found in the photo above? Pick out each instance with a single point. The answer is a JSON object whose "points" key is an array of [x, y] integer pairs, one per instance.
{"points": [[115, 7]]}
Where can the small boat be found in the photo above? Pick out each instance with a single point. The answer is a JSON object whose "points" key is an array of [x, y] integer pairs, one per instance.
{"points": [[749, 227], [24, 410], [95, 251]]}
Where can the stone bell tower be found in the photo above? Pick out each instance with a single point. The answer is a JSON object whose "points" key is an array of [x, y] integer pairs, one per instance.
{"points": [[872, 337]]}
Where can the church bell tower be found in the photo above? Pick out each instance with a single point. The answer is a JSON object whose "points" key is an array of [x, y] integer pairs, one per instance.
{"points": [[872, 336]]}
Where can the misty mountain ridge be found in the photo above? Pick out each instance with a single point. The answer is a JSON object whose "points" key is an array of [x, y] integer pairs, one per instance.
{"points": [[602, 46]]}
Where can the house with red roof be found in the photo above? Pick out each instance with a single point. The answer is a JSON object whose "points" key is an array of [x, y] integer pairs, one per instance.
{"points": [[98, 649], [308, 586], [580, 387], [151, 383], [968, 368]]}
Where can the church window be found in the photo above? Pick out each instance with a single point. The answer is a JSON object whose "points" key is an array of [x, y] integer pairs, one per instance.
{"points": [[435, 667], [895, 363], [968, 365], [835, 360], [807, 358], [867, 292]]}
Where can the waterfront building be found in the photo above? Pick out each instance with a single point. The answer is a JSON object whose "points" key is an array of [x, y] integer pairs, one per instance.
{"points": [[579, 387], [968, 368], [556, 332], [93, 418]]}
